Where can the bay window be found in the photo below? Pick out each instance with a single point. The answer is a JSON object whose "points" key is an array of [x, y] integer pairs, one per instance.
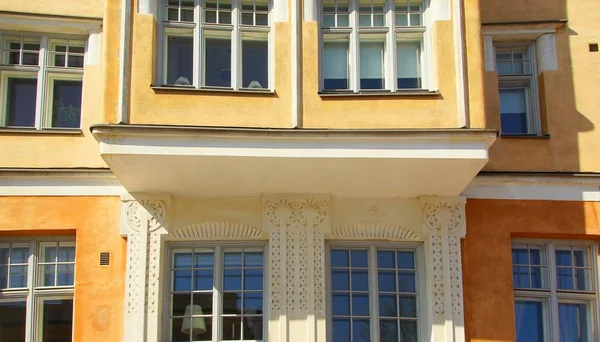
{"points": [[41, 81], [372, 45], [221, 44], [36, 290]]}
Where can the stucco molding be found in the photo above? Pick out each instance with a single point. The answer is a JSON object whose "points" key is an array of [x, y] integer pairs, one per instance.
{"points": [[150, 212], [217, 230], [301, 211], [443, 214], [385, 231]]}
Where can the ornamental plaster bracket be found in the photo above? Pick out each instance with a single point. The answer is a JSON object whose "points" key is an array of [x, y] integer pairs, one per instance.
{"points": [[444, 224], [297, 227], [143, 222]]}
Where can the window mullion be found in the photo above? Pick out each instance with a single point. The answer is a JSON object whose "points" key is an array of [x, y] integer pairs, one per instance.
{"points": [[354, 48], [217, 290], [40, 109], [197, 50], [374, 293], [390, 65], [235, 45], [30, 321], [553, 305]]}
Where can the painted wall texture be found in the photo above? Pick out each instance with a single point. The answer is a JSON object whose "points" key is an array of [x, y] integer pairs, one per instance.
{"points": [[487, 259], [81, 8], [94, 223]]}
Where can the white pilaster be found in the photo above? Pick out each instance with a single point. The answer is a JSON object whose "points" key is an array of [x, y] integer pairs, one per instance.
{"points": [[144, 224], [443, 221]]}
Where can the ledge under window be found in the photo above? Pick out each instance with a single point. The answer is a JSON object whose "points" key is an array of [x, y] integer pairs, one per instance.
{"points": [[410, 93], [191, 89], [48, 130], [525, 136]]}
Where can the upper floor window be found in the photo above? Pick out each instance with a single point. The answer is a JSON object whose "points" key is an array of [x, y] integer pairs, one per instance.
{"points": [[41, 81], [555, 291], [36, 290], [375, 293], [216, 44], [517, 82], [216, 293], [372, 45]]}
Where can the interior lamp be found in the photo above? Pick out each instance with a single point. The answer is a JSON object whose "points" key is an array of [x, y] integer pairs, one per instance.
{"points": [[193, 325]]}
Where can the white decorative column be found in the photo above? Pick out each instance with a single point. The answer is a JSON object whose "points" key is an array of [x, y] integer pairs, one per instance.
{"points": [[296, 242], [143, 224], [443, 220]]}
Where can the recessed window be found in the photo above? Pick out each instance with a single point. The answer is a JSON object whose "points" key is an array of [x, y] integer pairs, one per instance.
{"points": [[515, 65], [371, 45], [226, 48], [41, 81], [43, 305], [374, 293], [216, 293], [554, 277]]}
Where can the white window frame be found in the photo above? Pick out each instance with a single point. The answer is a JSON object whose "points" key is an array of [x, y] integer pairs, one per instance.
{"points": [[551, 296], [526, 81], [34, 294], [372, 247], [236, 29], [393, 34], [44, 73], [218, 247]]}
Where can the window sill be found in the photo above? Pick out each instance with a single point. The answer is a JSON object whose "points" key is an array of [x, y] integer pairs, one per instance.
{"points": [[55, 131], [170, 88], [525, 136], [402, 93]]}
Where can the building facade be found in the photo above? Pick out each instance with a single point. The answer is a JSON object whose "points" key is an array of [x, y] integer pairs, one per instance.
{"points": [[299, 170]]}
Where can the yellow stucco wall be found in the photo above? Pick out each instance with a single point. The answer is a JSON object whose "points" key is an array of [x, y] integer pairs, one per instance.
{"points": [[568, 99], [94, 223], [81, 8]]}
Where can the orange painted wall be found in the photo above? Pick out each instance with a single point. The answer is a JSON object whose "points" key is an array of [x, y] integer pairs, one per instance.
{"points": [[486, 255], [99, 291]]}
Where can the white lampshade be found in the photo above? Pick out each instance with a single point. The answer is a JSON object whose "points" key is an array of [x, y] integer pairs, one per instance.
{"points": [[193, 325]]}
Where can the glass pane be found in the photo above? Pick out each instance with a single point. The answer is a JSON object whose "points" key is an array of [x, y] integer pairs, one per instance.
{"points": [[180, 60], [255, 64], [340, 304], [408, 306], [195, 329], [57, 320], [49, 254], [187, 15], [521, 276], [75, 61], [203, 303], [388, 331], [385, 259], [66, 275], [203, 280], [253, 259], [253, 279], [406, 282], [335, 76], [339, 280], [262, 19], [343, 20], [364, 20], [179, 302], [360, 305], [537, 277], [359, 259], [12, 321], [19, 255], [513, 111], [217, 64], [583, 279], [232, 303], [371, 65], [232, 280], [361, 331], [66, 104], [253, 303], [18, 276], [232, 328], [360, 281], [408, 331], [182, 281], [253, 328], [172, 14], [563, 258], [504, 68], [48, 274], [401, 19], [328, 20], [341, 330], [203, 260], [224, 17], [415, 19], [4, 255], [529, 320], [182, 260], [3, 277], [573, 322], [535, 256], [233, 259], [378, 20], [519, 256], [408, 65], [21, 101], [406, 260], [210, 16], [247, 18], [387, 306], [564, 279], [387, 281], [582, 257]]}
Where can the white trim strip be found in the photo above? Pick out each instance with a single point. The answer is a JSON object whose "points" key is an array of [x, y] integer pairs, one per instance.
{"points": [[535, 188], [63, 185]]}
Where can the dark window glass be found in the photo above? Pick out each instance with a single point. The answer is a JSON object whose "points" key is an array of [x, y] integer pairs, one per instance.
{"points": [[255, 64], [218, 62], [529, 320], [180, 60], [21, 101], [66, 104], [12, 321], [513, 111], [335, 65], [57, 321]]}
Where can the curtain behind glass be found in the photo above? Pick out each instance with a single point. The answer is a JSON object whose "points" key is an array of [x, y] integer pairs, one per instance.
{"points": [[371, 65], [529, 319], [408, 65], [335, 65]]}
